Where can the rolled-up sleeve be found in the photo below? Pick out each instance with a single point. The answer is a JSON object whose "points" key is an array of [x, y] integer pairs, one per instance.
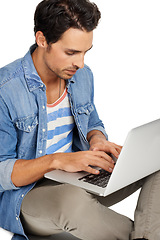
{"points": [[6, 168], [95, 122], [8, 142]]}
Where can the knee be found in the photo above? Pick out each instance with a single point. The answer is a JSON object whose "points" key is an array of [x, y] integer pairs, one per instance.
{"points": [[81, 214]]}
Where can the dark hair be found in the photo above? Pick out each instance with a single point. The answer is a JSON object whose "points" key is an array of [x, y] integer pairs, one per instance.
{"points": [[54, 17]]}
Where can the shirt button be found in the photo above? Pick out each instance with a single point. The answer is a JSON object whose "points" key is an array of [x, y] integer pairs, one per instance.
{"points": [[40, 151], [17, 218], [43, 107], [43, 130], [22, 195]]}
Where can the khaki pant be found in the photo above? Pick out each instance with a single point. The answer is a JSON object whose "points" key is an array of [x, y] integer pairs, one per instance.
{"points": [[51, 208]]}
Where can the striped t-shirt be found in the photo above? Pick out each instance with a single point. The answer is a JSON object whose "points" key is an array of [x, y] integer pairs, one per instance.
{"points": [[60, 125]]}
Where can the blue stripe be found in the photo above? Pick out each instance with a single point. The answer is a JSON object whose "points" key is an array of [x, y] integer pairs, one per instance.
{"points": [[62, 112], [59, 130], [69, 149], [53, 148]]}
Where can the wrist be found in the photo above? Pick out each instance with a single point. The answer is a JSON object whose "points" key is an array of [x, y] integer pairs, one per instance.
{"points": [[55, 163], [96, 138]]}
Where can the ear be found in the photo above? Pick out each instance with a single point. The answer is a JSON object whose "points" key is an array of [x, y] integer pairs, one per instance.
{"points": [[41, 40]]}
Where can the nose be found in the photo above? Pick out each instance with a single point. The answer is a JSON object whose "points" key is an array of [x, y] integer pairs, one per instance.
{"points": [[79, 61]]}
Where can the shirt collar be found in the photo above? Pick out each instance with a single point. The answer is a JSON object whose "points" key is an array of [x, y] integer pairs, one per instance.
{"points": [[32, 78]]}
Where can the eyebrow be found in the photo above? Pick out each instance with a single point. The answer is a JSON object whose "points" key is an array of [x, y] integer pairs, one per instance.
{"points": [[77, 51]]}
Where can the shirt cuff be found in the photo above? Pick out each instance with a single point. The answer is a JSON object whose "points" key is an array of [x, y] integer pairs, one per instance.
{"points": [[6, 168]]}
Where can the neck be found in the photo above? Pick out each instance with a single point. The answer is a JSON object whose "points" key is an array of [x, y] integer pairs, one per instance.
{"points": [[54, 85], [47, 76]]}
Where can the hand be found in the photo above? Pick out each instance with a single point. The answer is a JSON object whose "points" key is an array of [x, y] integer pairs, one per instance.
{"points": [[82, 161], [99, 143]]}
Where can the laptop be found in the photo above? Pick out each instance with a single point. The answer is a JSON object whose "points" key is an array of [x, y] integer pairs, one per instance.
{"points": [[140, 157]]}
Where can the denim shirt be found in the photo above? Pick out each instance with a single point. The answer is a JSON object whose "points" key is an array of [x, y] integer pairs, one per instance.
{"points": [[23, 127]]}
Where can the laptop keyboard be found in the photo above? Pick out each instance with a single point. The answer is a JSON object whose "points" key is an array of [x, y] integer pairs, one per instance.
{"points": [[100, 180]]}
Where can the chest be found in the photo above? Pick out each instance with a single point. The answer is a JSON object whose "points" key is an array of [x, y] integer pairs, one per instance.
{"points": [[60, 124]]}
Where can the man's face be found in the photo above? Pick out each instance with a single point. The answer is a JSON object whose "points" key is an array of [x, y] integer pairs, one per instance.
{"points": [[66, 56]]}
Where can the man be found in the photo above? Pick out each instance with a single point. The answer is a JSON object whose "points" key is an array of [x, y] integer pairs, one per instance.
{"points": [[48, 121]]}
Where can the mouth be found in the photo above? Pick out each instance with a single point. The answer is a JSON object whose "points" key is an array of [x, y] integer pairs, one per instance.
{"points": [[71, 71]]}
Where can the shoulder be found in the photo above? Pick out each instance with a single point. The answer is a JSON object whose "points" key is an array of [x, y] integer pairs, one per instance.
{"points": [[84, 76], [10, 71], [83, 85], [86, 71]]}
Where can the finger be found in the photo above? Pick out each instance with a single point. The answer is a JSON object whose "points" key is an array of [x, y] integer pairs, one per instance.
{"points": [[91, 170], [118, 147], [102, 163], [99, 159], [103, 155], [105, 165], [119, 150], [109, 147], [115, 150], [115, 153]]}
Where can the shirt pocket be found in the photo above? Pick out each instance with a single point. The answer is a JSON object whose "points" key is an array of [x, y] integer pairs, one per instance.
{"points": [[27, 124], [83, 115], [87, 109], [27, 129]]}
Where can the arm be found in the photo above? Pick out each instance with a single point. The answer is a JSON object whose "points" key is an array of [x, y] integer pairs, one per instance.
{"points": [[28, 171]]}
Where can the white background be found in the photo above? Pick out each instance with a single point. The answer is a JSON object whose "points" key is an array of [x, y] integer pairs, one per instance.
{"points": [[125, 61]]}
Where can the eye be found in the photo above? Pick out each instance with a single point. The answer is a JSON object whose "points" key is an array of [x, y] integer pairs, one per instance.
{"points": [[70, 53]]}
